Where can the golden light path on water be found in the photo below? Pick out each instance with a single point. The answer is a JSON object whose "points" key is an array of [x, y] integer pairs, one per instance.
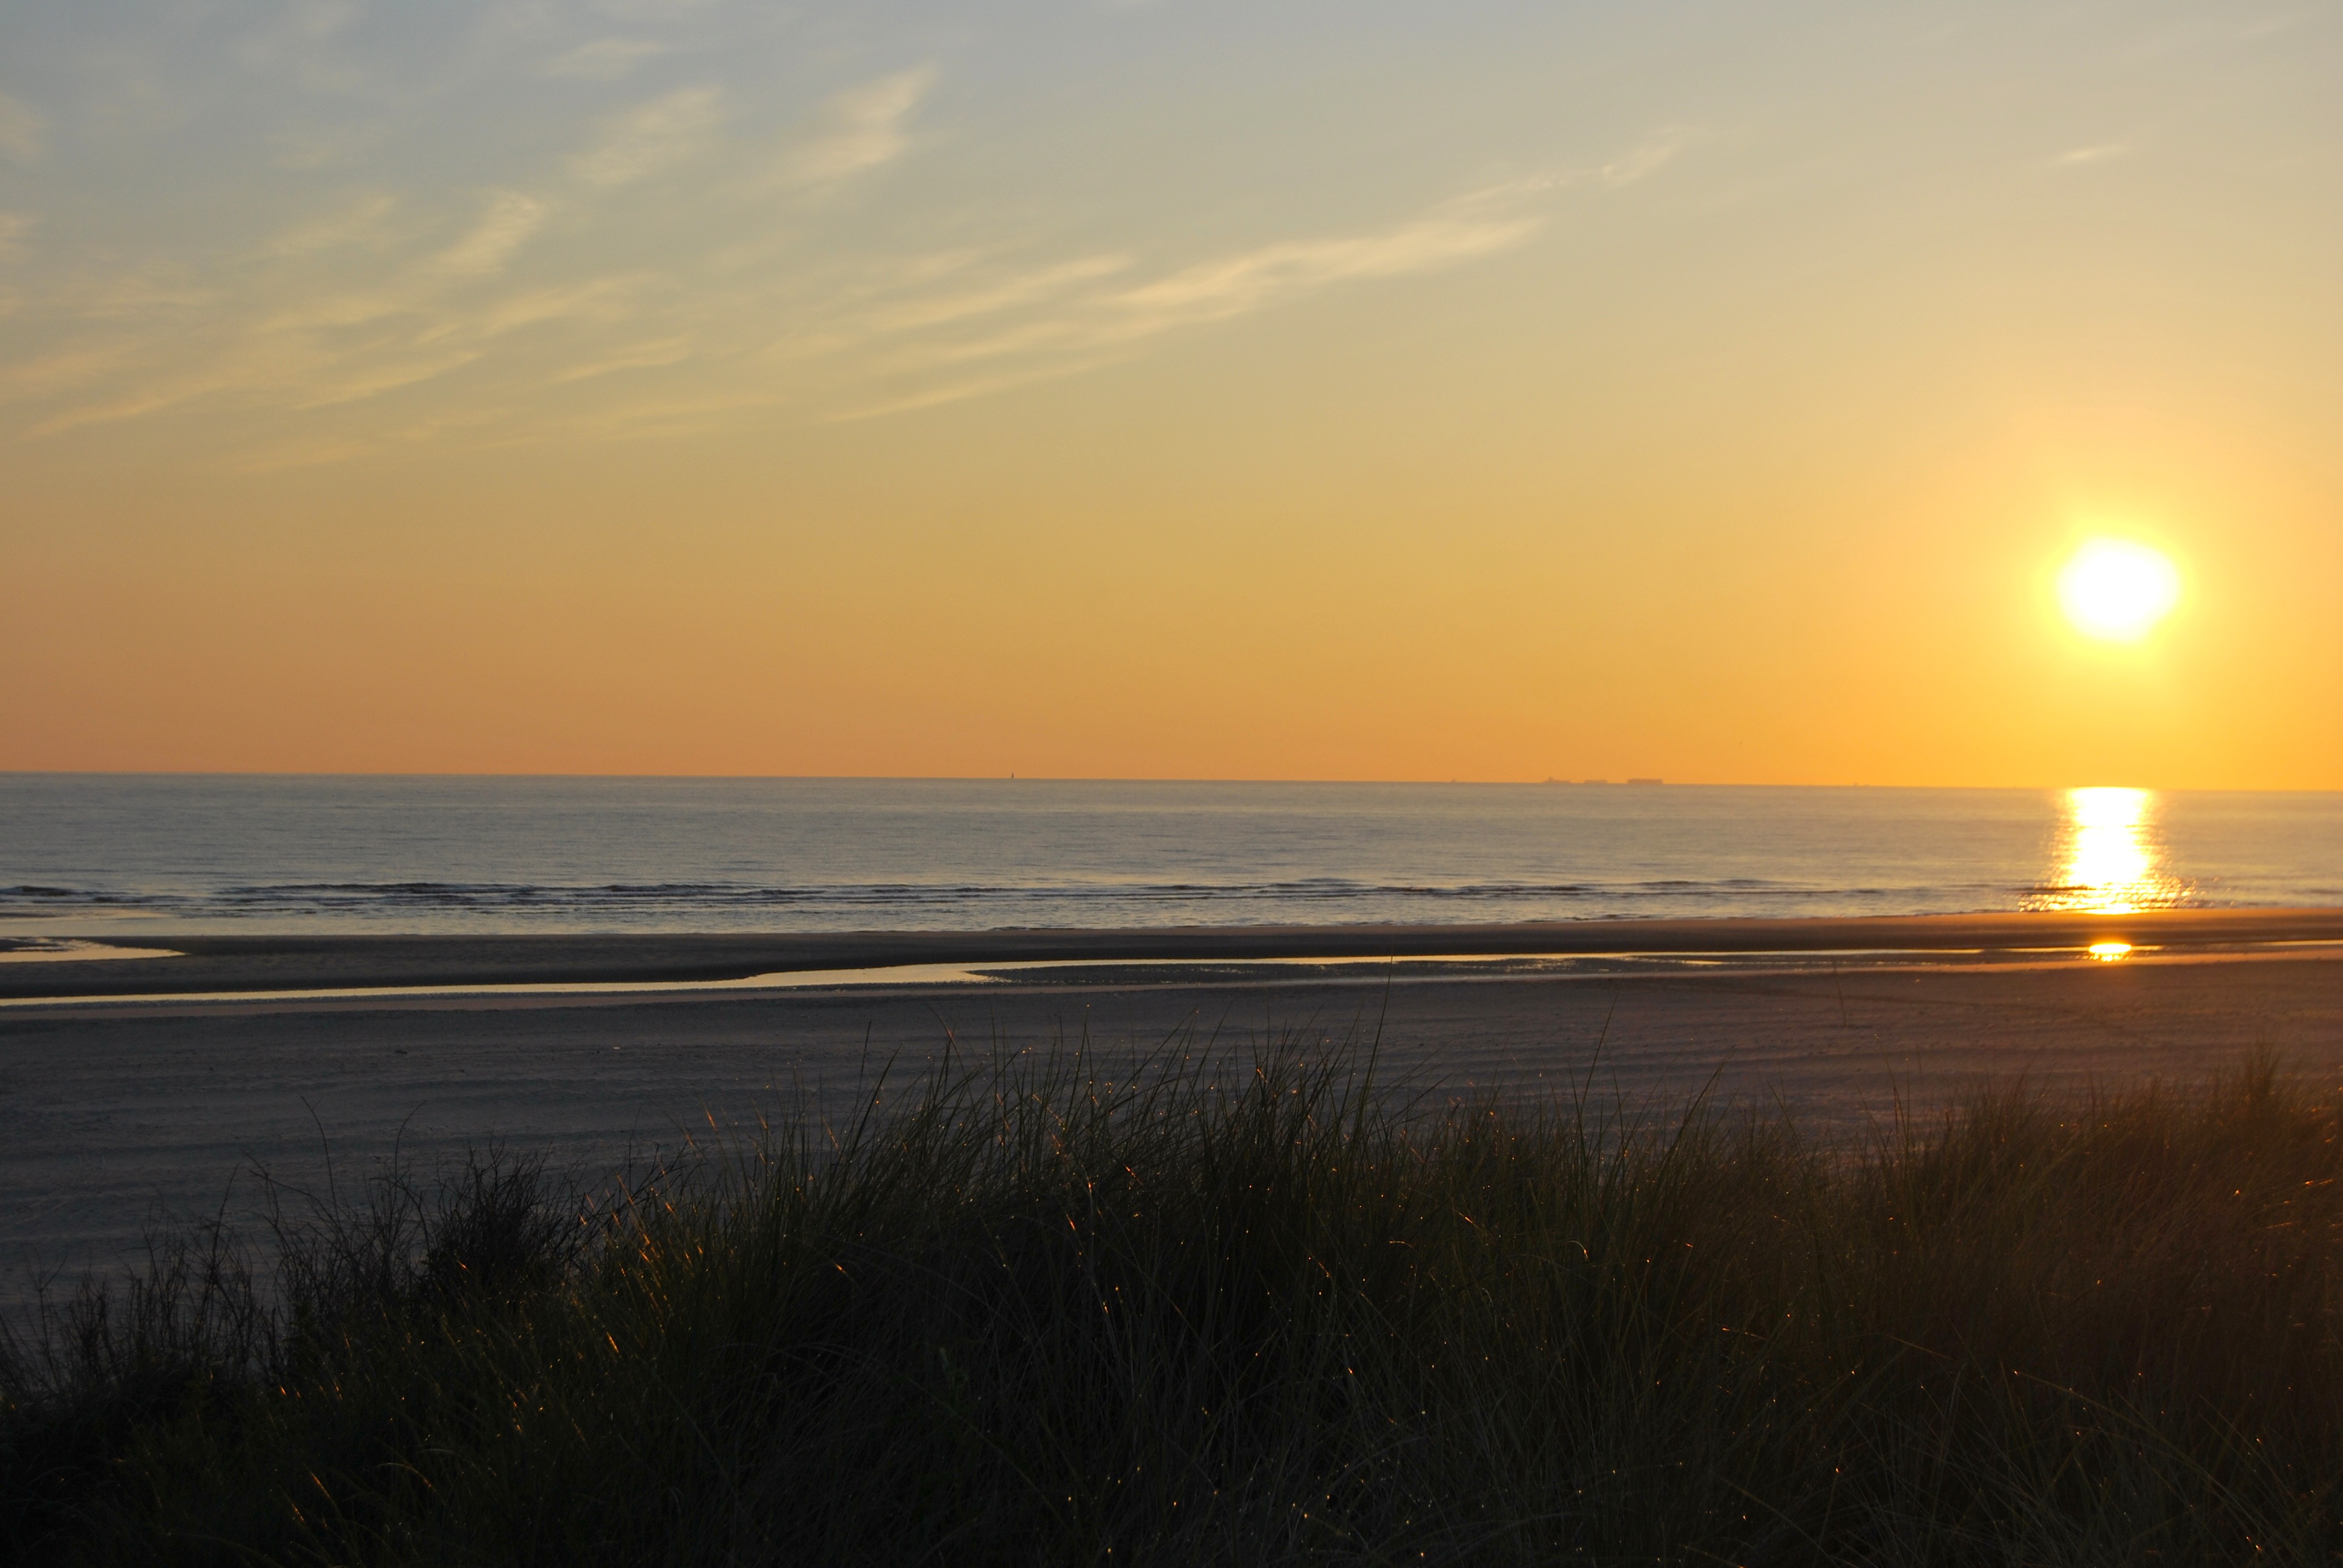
{"points": [[2108, 857]]}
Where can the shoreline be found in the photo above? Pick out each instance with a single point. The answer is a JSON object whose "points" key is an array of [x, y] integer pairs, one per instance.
{"points": [[1263, 976], [234, 963]]}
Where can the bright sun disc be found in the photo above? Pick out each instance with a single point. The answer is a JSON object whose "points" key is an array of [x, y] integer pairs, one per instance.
{"points": [[2116, 590]]}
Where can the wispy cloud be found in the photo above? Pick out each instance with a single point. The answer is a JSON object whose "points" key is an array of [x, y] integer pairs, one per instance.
{"points": [[298, 332], [362, 220], [22, 133], [510, 219], [653, 137], [144, 294], [1478, 224], [13, 227], [304, 42], [68, 367], [977, 337], [1639, 163], [961, 391], [2081, 157], [600, 300], [391, 375], [322, 148], [604, 60], [651, 355], [504, 302], [1232, 285], [323, 18], [1006, 294], [860, 130]]}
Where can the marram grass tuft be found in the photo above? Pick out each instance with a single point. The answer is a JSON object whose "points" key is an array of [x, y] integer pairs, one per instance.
{"points": [[1207, 1307]]}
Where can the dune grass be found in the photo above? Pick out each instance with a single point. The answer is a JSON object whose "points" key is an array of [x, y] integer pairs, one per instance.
{"points": [[1259, 1308]]}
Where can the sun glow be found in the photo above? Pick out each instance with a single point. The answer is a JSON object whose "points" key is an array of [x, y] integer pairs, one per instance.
{"points": [[2108, 857], [2118, 590]]}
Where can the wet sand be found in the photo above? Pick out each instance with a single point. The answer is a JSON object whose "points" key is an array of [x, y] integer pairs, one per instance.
{"points": [[212, 963], [118, 1112]]}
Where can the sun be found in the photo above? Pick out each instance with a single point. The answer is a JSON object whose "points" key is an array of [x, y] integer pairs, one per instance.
{"points": [[2118, 590]]}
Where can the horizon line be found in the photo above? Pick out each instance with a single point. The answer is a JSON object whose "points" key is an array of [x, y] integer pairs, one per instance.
{"points": [[1639, 782]]}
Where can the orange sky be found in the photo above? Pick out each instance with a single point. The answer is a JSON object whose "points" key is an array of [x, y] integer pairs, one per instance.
{"points": [[1172, 392]]}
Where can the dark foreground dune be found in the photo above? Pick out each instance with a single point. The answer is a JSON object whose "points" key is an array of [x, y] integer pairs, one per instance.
{"points": [[1262, 1309]]}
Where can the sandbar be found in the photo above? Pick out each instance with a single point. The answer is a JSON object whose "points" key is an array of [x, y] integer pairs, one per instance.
{"points": [[214, 963]]}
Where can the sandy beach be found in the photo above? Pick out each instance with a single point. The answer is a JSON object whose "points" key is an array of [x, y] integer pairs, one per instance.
{"points": [[122, 1111]]}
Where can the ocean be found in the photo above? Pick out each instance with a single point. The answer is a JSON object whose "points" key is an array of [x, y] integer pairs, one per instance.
{"points": [[120, 855]]}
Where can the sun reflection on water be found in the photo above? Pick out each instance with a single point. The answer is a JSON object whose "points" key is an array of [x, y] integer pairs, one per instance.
{"points": [[2108, 857]]}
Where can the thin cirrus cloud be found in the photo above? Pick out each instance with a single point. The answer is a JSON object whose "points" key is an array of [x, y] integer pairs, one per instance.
{"points": [[1082, 329], [360, 301], [651, 355], [510, 219], [954, 331], [22, 133], [363, 220], [604, 60], [1234, 285], [384, 290], [653, 137], [858, 130], [14, 228], [301, 331], [991, 297], [2083, 157], [1077, 328]]}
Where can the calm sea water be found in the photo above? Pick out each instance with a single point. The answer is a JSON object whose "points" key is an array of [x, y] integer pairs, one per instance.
{"points": [[112, 853]]}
